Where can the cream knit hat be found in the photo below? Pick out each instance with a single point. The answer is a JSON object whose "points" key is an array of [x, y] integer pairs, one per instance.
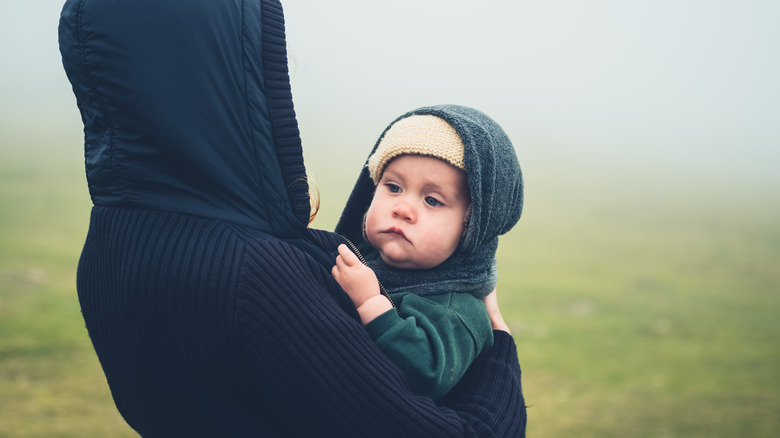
{"points": [[417, 135]]}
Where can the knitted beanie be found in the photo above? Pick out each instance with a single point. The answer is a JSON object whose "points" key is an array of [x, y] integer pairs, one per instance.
{"points": [[417, 135]]}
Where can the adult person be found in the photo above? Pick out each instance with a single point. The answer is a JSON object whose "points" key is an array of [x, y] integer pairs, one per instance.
{"points": [[209, 302]]}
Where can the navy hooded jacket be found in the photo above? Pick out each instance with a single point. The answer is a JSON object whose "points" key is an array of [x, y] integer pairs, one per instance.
{"points": [[176, 114], [209, 303]]}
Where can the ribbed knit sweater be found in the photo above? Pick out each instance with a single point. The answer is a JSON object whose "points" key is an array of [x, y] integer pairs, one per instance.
{"points": [[209, 303], [204, 329]]}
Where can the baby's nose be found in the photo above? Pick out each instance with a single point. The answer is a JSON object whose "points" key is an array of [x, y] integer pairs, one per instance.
{"points": [[403, 210]]}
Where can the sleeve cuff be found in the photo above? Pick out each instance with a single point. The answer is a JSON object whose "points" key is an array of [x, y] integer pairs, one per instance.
{"points": [[382, 324]]}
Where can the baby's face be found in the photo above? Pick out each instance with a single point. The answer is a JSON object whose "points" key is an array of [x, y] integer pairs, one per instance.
{"points": [[417, 215]]}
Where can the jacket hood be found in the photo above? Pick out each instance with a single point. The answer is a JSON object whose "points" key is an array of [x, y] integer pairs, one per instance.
{"points": [[188, 110], [496, 184]]}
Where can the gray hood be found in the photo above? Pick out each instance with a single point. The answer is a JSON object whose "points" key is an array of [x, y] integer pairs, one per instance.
{"points": [[496, 184]]}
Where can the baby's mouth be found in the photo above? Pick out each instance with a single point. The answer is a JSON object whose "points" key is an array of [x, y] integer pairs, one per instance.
{"points": [[397, 232]]}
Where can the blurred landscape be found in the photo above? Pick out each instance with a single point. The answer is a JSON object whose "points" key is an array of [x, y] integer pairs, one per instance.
{"points": [[641, 284], [642, 310]]}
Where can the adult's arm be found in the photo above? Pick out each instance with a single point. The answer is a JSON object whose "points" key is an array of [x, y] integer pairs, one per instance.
{"points": [[317, 361]]}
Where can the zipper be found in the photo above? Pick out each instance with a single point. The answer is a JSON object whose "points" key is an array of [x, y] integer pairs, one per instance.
{"points": [[382, 289]]}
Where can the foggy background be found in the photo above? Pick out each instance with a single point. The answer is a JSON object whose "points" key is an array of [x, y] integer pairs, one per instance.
{"points": [[668, 90], [641, 282], [685, 91]]}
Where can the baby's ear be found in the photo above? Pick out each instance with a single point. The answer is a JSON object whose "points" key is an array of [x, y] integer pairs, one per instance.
{"points": [[466, 218]]}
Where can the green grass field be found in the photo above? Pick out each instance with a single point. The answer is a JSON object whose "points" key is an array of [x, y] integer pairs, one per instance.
{"points": [[641, 310]]}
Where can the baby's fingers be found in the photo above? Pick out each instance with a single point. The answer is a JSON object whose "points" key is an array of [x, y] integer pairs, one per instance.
{"points": [[348, 257]]}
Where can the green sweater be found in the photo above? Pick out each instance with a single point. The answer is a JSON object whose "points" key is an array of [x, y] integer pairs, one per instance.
{"points": [[434, 338]]}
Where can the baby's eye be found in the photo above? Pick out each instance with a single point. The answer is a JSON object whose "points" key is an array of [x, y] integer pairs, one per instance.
{"points": [[393, 188], [433, 202]]}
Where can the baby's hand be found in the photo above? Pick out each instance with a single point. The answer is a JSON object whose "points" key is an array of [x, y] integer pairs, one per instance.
{"points": [[357, 279]]}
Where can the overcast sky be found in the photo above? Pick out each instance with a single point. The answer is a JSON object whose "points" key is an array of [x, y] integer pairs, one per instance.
{"points": [[670, 82], [666, 81]]}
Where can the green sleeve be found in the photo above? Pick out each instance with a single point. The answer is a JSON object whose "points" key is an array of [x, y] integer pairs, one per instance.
{"points": [[433, 339]]}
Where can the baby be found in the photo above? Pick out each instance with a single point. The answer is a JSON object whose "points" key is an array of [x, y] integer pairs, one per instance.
{"points": [[438, 189]]}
